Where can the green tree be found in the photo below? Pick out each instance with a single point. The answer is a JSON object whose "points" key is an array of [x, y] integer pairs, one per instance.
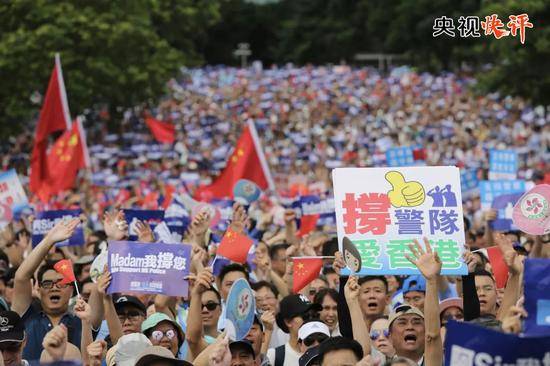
{"points": [[110, 51], [518, 69]]}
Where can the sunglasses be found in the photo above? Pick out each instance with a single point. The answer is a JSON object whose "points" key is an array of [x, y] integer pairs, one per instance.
{"points": [[319, 338], [130, 315], [157, 335], [210, 305], [375, 334], [48, 285]]}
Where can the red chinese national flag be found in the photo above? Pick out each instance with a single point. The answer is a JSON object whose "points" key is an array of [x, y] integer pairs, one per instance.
{"points": [[307, 224], [66, 157], [164, 132], [54, 116], [500, 270], [65, 268], [235, 246], [305, 270], [246, 162]]}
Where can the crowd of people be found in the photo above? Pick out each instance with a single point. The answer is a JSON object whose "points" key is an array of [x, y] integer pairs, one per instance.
{"points": [[309, 120]]}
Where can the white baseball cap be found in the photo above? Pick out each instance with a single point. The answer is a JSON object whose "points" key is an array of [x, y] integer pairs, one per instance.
{"points": [[310, 328]]}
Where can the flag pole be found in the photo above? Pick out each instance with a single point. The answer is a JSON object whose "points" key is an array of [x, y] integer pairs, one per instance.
{"points": [[76, 287]]}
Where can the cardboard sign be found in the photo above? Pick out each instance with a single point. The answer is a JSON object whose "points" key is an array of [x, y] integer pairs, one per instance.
{"points": [[503, 164], [46, 220], [381, 211], [155, 268]]}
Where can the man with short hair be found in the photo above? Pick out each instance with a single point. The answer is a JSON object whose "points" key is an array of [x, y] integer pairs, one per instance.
{"points": [[407, 332], [279, 258], [266, 296], [340, 351], [373, 297], [54, 295]]}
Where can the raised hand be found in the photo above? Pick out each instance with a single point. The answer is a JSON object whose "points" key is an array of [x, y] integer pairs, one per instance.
{"points": [[103, 282], [95, 352], [289, 217], [352, 289], [144, 232], [268, 319], [339, 264], [221, 356], [471, 260], [510, 256], [490, 215], [55, 342], [198, 227], [83, 310], [306, 247], [239, 219], [512, 320], [63, 230], [428, 262], [204, 281], [115, 225]]}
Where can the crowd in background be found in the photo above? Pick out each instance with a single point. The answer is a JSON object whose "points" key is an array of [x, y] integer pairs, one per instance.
{"points": [[309, 120]]}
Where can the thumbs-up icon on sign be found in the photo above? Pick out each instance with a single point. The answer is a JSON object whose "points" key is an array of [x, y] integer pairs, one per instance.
{"points": [[404, 194]]}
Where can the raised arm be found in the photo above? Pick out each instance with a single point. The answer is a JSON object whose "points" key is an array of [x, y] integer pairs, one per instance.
{"points": [[84, 312], [113, 323], [22, 282], [514, 262], [359, 326], [194, 334], [429, 264]]}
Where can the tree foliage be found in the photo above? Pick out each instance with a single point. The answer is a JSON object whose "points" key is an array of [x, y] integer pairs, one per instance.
{"points": [[116, 53]]}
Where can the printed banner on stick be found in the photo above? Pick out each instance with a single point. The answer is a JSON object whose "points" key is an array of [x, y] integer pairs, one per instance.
{"points": [[149, 267], [381, 211]]}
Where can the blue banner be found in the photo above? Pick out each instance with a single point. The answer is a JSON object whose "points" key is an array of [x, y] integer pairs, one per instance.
{"points": [[400, 156], [472, 345], [46, 220], [152, 217], [149, 267], [537, 297], [315, 205], [504, 204], [468, 182], [503, 164], [491, 189]]}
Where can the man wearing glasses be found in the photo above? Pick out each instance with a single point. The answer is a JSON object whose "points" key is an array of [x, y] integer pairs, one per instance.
{"points": [[54, 297], [131, 313], [312, 334]]}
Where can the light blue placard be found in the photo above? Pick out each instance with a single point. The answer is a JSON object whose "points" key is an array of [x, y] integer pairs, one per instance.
{"points": [[240, 310], [400, 156], [503, 164], [490, 189], [469, 183]]}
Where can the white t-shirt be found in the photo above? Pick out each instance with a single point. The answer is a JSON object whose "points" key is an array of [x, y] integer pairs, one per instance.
{"points": [[292, 357], [278, 337]]}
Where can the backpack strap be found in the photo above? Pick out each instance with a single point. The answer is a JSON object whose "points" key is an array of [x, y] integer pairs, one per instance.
{"points": [[280, 356]]}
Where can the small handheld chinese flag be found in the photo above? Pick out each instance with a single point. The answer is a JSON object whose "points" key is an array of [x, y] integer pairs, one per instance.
{"points": [[307, 224], [305, 270], [235, 246], [65, 268]]}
